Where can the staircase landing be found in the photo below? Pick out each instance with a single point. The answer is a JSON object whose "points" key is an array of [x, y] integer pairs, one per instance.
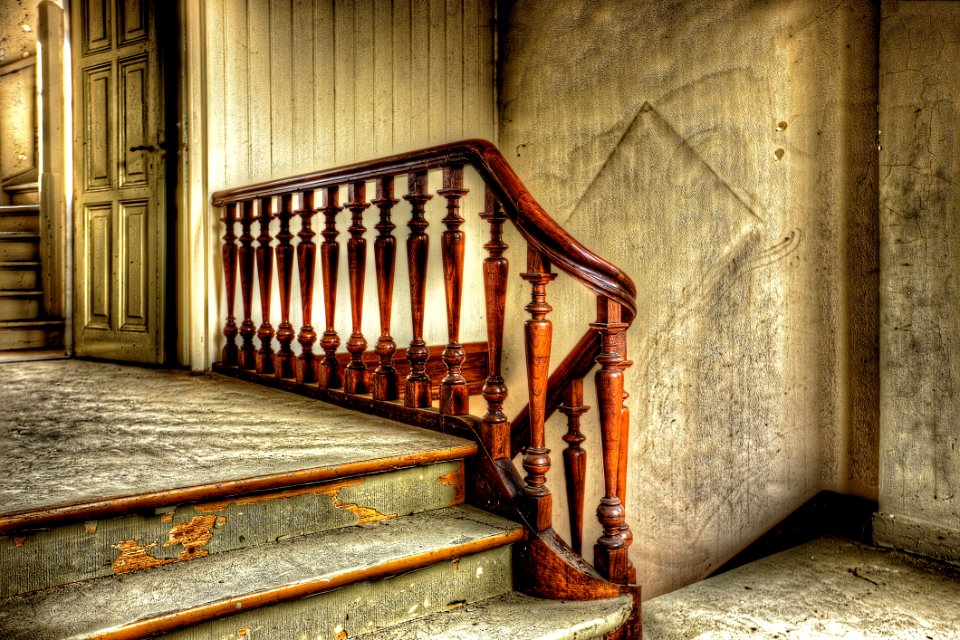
{"points": [[828, 588], [86, 439]]}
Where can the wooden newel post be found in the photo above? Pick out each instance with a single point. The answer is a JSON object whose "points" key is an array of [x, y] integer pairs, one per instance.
{"points": [[417, 393], [496, 429], [611, 553], [248, 357], [354, 376], [230, 356], [385, 386], [306, 366], [284, 358], [328, 372], [538, 333], [454, 395]]}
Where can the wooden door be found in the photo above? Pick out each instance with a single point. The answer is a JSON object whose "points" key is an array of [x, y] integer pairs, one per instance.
{"points": [[119, 212]]}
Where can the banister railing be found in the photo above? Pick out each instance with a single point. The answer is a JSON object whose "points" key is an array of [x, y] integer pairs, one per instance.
{"points": [[351, 379]]}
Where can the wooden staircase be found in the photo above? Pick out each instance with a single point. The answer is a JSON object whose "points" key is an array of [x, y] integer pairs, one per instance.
{"points": [[23, 323], [389, 509], [361, 533]]}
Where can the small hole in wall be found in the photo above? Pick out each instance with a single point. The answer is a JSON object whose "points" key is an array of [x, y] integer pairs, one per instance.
{"points": [[778, 154], [781, 126]]}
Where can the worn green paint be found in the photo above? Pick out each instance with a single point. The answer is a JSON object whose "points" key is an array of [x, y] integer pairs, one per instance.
{"points": [[368, 606], [82, 551]]}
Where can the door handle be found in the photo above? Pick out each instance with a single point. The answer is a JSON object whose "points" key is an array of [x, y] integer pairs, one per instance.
{"points": [[143, 147]]}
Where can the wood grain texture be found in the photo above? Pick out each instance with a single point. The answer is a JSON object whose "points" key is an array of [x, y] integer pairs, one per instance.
{"points": [[246, 255], [328, 371], [418, 386], [230, 355], [306, 366], [264, 254], [453, 387], [354, 380], [283, 360], [385, 383]]}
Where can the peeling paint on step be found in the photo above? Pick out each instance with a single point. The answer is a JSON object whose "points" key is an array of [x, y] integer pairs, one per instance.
{"points": [[133, 557], [192, 536], [365, 515], [455, 479]]}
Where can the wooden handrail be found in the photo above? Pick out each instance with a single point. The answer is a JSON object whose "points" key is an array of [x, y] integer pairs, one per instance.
{"points": [[548, 245], [533, 222]]}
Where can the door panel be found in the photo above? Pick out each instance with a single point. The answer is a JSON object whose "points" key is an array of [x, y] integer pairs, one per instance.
{"points": [[121, 235]]}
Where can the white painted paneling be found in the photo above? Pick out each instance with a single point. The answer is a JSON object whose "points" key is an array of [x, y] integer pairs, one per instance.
{"points": [[298, 85]]}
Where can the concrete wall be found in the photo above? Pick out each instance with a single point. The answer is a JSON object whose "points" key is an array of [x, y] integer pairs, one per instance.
{"points": [[296, 85], [723, 154], [920, 325]]}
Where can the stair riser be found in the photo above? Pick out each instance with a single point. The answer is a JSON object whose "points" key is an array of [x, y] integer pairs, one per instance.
{"points": [[82, 551], [30, 338], [19, 308], [24, 197], [20, 222], [18, 279], [26, 250], [368, 606]]}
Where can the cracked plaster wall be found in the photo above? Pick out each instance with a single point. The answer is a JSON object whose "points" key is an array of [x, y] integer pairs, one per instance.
{"points": [[920, 327], [724, 155]]}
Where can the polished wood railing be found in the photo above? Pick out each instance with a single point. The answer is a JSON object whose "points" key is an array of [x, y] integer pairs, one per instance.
{"points": [[403, 383]]}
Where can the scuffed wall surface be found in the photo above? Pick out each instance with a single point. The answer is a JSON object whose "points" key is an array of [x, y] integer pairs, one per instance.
{"points": [[18, 117], [920, 214], [723, 154]]}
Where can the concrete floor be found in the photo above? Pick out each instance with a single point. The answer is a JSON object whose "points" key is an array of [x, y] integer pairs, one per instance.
{"points": [[828, 588]]}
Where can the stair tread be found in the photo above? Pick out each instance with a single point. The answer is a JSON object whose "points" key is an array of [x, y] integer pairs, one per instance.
{"points": [[20, 293], [209, 587], [18, 209], [19, 235], [140, 438], [28, 324], [515, 616]]}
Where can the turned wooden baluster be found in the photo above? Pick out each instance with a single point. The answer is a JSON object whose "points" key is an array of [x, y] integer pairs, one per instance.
{"points": [[495, 430], [306, 367], [284, 358], [538, 333], [625, 531], [248, 358], [328, 372], [611, 552], [265, 278], [417, 390], [353, 379], [385, 386], [574, 459], [230, 355], [454, 395]]}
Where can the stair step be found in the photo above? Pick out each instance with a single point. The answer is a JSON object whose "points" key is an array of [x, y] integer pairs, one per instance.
{"points": [[28, 334], [24, 194], [74, 551], [20, 218], [20, 305], [19, 276], [515, 616], [193, 438], [19, 246], [168, 597]]}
